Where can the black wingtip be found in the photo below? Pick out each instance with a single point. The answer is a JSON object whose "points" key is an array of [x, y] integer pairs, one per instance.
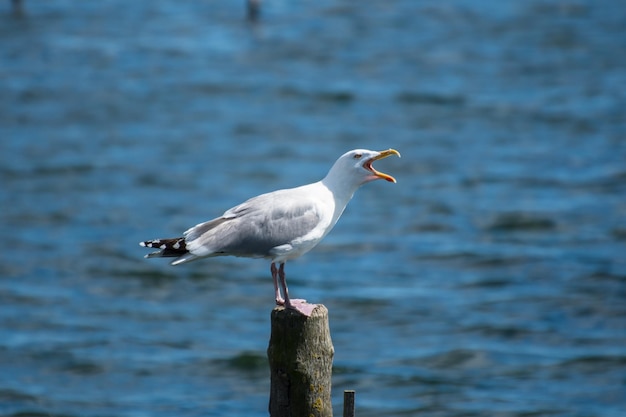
{"points": [[167, 247]]}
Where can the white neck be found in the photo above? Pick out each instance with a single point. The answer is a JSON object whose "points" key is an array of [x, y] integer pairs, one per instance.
{"points": [[342, 191]]}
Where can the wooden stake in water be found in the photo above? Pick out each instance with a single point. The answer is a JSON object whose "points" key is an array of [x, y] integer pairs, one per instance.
{"points": [[300, 354], [348, 403]]}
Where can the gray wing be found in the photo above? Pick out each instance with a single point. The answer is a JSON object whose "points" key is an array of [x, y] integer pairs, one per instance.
{"points": [[255, 227]]}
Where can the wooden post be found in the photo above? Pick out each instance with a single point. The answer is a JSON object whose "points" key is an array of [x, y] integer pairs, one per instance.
{"points": [[300, 353], [348, 403]]}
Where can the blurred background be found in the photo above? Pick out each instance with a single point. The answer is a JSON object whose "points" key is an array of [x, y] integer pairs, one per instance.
{"points": [[489, 281]]}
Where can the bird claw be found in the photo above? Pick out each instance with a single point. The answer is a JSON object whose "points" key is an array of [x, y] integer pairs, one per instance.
{"points": [[281, 301], [301, 306]]}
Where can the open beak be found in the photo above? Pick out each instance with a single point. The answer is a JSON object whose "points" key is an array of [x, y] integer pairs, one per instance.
{"points": [[381, 155]]}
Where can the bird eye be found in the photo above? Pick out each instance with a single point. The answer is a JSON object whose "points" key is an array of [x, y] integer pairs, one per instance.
{"points": [[357, 156]]}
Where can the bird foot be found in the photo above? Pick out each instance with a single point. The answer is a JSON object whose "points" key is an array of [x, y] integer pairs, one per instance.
{"points": [[301, 306], [281, 301]]}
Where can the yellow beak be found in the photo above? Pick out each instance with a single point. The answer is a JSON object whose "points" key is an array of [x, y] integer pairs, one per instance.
{"points": [[381, 155]]}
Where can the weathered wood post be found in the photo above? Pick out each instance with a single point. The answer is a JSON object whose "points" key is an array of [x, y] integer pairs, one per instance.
{"points": [[348, 403], [300, 354]]}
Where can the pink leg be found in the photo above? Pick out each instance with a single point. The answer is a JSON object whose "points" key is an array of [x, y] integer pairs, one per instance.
{"points": [[297, 304], [279, 300]]}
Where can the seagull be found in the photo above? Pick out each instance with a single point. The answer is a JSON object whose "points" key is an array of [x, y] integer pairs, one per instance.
{"points": [[281, 225]]}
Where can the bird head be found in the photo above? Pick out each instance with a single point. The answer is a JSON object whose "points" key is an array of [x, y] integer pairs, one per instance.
{"points": [[355, 167]]}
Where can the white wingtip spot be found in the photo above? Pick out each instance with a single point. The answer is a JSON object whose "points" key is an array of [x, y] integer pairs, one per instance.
{"points": [[176, 245], [143, 244]]}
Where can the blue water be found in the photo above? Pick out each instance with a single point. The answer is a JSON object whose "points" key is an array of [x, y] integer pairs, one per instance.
{"points": [[489, 281]]}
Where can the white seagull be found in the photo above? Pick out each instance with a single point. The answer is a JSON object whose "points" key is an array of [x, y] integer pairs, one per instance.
{"points": [[281, 225]]}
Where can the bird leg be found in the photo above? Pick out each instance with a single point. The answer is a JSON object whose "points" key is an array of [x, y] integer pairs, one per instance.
{"points": [[279, 299], [297, 304]]}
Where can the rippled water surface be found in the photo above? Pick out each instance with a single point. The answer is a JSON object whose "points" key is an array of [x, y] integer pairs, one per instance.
{"points": [[489, 281]]}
